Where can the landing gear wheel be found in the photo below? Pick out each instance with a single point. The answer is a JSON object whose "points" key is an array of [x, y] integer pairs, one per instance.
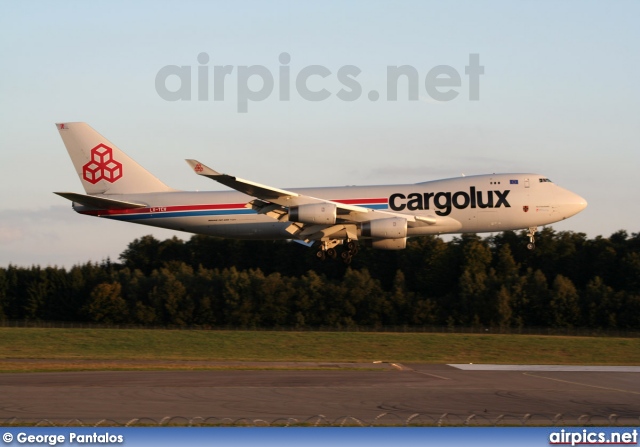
{"points": [[329, 249], [531, 246]]}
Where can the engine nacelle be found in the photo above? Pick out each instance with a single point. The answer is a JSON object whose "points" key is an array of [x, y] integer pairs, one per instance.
{"points": [[389, 228], [314, 213], [386, 244]]}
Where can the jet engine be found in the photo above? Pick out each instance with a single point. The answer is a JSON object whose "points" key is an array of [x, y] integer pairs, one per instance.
{"points": [[386, 244], [389, 228], [314, 213]]}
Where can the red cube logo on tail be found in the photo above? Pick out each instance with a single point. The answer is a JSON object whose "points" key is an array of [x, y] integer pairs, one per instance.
{"points": [[102, 166]]}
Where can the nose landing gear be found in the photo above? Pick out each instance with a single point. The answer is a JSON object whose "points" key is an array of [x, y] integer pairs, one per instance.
{"points": [[532, 238]]}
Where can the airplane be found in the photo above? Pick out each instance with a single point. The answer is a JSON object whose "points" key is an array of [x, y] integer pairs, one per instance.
{"points": [[329, 218]]}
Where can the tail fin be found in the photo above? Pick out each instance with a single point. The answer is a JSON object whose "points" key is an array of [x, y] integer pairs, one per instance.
{"points": [[102, 167]]}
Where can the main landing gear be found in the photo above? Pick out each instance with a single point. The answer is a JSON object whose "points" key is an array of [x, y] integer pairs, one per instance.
{"points": [[328, 250], [532, 238]]}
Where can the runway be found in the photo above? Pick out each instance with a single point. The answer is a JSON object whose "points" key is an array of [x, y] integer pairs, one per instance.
{"points": [[352, 393]]}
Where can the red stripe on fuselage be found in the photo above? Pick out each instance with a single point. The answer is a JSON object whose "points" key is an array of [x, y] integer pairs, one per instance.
{"points": [[362, 201], [234, 206]]}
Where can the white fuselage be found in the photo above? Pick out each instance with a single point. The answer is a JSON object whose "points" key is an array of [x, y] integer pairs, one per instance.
{"points": [[482, 203]]}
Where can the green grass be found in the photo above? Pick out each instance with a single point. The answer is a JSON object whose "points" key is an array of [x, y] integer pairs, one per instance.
{"points": [[58, 349]]}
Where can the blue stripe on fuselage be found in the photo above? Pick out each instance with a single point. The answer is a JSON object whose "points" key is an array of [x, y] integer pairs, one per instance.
{"points": [[180, 214]]}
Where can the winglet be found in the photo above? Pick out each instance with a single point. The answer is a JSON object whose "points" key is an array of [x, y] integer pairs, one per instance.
{"points": [[200, 168]]}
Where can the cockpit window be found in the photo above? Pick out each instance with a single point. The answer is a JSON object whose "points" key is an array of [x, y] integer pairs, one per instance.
{"points": [[545, 180]]}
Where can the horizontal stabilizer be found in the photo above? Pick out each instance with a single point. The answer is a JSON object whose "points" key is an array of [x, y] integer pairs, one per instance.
{"points": [[100, 202]]}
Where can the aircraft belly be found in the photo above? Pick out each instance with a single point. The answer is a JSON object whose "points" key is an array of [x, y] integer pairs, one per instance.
{"points": [[232, 226], [264, 230]]}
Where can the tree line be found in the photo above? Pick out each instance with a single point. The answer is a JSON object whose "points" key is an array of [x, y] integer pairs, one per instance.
{"points": [[569, 281]]}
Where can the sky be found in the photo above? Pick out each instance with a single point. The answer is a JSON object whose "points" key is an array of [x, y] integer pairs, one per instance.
{"points": [[558, 95]]}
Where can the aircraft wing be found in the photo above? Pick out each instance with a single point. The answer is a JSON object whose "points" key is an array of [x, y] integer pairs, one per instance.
{"points": [[269, 195], [245, 186]]}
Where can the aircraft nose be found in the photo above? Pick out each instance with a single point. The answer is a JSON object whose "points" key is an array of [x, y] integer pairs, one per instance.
{"points": [[575, 203], [581, 203]]}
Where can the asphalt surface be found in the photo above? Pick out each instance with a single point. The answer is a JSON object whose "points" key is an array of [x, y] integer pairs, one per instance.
{"points": [[388, 394]]}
